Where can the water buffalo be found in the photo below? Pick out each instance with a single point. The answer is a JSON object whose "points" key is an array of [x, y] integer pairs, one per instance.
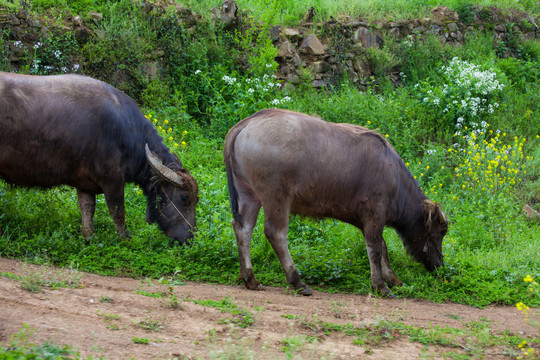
{"points": [[289, 162], [81, 132]]}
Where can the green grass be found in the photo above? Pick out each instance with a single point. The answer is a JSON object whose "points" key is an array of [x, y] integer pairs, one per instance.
{"points": [[241, 316], [20, 347], [490, 246], [473, 340], [292, 12]]}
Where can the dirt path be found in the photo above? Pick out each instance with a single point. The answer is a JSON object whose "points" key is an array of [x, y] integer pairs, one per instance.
{"points": [[99, 319]]}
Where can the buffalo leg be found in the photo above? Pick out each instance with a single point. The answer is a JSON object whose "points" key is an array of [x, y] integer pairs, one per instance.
{"points": [[275, 228], [115, 203], [87, 204], [248, 209], [375, 247], [388, 274]]}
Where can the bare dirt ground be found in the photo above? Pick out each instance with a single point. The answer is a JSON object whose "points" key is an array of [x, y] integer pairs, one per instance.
{"points": [[80, 317]]}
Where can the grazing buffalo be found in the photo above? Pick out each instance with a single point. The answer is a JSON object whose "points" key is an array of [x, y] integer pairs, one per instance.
{"points": [[81, 132], [289, 162]]}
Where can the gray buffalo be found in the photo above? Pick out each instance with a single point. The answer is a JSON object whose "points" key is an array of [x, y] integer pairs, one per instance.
{"points": [[287, 162], [77, 131]]}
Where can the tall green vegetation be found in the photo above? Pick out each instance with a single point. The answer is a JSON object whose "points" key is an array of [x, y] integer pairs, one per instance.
{"points": [[464, 118]]}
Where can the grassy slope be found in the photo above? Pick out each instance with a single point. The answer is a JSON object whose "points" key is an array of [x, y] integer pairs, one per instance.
{"points": [[489, 249]]}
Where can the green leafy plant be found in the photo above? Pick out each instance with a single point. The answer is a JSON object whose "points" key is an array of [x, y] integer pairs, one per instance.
{"points": [[149, 324], [242, 317], [254, 42], [20, 347], [141, 341]]}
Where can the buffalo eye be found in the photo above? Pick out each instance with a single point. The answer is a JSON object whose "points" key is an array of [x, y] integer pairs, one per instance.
{"points": [[184, 199]]}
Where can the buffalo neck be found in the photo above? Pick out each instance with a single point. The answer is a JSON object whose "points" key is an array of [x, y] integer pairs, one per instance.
{"points": [[409, 206]]}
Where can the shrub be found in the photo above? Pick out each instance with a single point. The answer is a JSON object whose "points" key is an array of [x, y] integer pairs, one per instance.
{"points": [[467, 93]]}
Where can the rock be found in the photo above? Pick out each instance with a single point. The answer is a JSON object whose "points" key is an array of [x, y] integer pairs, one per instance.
{"points": [[275, 31], [311, 45], [77, 21], [444, 14], [435, 30], [227, 13], [95, 16], [344, 18], [310, 14], [285, 70], [293, 78], [285, 50], [82, 34], [296, 59], [318, 83], [367, 38], [14, 20], [319, 67], [452, 26], [355, 24], [291, 34], [530, 213], [150, 70]]}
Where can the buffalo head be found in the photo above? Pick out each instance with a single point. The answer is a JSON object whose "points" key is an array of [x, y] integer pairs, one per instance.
{"points": [[436, 226], [172, 199]]}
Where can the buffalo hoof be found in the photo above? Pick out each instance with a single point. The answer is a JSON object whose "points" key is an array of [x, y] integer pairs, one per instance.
{"points": [[253, 285], [385, 292], [394, 282], [304, 291]]}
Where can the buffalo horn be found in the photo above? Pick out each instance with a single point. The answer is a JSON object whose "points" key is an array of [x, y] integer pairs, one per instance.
{"points": [[442, 216], [429, 207], [163, 171]]}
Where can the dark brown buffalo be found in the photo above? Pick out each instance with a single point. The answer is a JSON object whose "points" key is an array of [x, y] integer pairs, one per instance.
{"points": [[289, 162], [81, 132]]}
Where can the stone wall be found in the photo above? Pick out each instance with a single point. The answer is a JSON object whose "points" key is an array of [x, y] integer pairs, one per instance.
{"points": [[315, 52], [303, 48]]}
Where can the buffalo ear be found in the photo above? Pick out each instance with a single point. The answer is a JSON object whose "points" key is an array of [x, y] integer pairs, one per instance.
{"points": [[442, 216], [161, 170]]}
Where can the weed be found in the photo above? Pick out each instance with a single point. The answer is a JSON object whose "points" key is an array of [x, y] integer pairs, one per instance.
{"points": [[452, 316], [150, 324], [242, 317], [20, 347], [141, 341], [254, 43], [476, 340], [295, 343], [35, 280], [108, 316], [336, 308], [106, 299]]}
